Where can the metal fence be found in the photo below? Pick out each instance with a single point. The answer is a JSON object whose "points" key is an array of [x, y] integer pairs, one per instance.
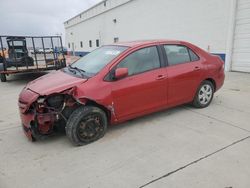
{"points": [[31, 53]]}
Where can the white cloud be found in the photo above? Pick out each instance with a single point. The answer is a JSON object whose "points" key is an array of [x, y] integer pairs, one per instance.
{"points": [[38, 17]]}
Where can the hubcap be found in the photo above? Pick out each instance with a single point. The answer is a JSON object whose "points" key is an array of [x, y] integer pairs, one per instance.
{"points": [[90, 128], [205, 94]]}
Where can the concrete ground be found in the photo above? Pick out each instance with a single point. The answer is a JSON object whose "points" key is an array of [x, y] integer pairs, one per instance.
{"points": [[180, 147]]}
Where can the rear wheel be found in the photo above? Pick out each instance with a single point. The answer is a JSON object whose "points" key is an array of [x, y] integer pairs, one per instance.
{"points": [[204, 95], [3, 77], [85, 125]]}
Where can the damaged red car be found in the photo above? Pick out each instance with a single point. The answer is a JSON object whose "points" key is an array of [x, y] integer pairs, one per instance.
{"points": [[116, 83]]}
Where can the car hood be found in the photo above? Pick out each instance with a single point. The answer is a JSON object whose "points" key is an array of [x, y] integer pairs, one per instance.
{"points": [[54, 82]]}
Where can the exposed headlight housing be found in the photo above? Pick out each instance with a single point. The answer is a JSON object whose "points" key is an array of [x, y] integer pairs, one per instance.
{"points": [[55, 101]]}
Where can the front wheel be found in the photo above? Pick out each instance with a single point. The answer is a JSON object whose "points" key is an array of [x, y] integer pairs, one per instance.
{"points": [[86, 124], [204, 95]]}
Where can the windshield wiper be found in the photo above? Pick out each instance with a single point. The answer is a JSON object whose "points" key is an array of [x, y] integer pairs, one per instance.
{"points": [[79, 70]]}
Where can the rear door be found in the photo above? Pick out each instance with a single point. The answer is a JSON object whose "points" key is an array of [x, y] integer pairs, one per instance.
{"points": [[184, 73], [145, 88]]}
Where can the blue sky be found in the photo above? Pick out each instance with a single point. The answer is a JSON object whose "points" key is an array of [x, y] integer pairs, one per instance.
{"points": [[38, 17]]}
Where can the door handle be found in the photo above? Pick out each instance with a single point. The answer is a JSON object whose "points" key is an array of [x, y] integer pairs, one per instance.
{"points": [[160, 77], [197, 68]]}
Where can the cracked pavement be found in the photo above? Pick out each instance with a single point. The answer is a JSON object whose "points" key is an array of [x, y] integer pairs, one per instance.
{"points": [[179, 147]]}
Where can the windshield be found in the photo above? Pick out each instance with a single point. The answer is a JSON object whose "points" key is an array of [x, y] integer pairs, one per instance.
{"points": [[93, 62]]}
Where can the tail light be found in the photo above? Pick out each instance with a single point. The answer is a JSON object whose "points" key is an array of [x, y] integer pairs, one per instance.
{"points": [[221, 62]]}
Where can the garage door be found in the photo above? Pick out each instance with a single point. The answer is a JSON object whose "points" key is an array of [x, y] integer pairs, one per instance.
{"points": [[241, 50]]}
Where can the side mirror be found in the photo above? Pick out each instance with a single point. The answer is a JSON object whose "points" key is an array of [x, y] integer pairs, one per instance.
{"points": [[121, 73]]}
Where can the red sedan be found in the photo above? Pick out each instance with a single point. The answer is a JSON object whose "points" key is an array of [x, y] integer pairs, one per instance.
{"points": [[116, 83]]}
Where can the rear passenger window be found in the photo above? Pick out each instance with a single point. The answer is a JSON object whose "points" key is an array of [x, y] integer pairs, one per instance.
{"points": [[177, 54], [193, 56]]}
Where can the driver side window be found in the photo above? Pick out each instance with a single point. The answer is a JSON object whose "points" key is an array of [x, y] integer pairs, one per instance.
{"points": [[141, 61]]}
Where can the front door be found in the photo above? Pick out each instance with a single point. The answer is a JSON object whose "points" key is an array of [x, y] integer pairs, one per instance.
{"points": [[145, 88]]}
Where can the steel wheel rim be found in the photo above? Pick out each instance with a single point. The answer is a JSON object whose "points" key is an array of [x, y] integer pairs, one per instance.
{"points": [[205, 94], [90, 128]]}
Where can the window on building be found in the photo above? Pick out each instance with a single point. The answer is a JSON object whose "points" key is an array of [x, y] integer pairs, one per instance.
{"points": [[97, 43], [116, 39], [90, 43], [105, 3], [177, 54], [81, 44], [69, 45], [141, 61]]}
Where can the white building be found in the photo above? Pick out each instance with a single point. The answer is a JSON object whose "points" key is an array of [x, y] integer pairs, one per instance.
{"points": [[218, 26]]}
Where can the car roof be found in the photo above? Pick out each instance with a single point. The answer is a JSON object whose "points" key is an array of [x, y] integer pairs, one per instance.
{"points": [[146, 42]]}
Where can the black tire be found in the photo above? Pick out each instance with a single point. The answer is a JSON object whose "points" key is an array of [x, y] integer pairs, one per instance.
{"points": [[27, 61], [64, 63], [1, 59], [83, 127], [204, 102], [3, 78]]}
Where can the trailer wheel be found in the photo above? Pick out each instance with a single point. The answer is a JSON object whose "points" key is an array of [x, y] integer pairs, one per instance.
{"points": [[27, 61], [3, 77], [63, 64]]}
